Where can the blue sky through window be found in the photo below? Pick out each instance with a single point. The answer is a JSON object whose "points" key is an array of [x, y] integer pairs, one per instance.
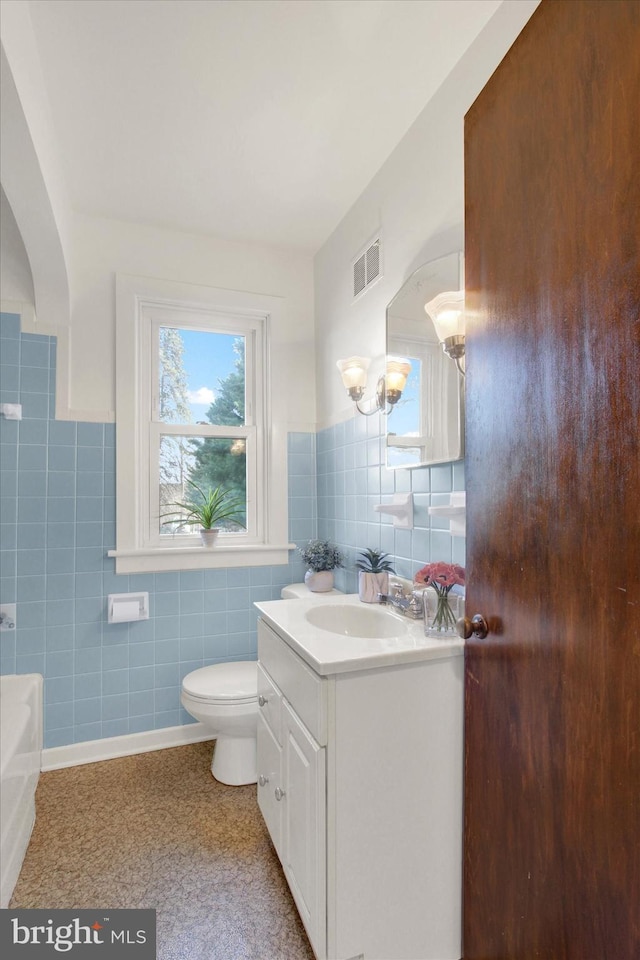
{"points": [[208, 358]]}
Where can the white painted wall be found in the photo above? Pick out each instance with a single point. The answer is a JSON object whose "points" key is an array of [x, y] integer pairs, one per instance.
{"points": [[21, 49], [417, 199], [103, 248], [16, 282], [32, 177]]}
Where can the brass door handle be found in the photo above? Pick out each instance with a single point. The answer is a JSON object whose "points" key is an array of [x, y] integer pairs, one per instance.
{"points": [[477, 625]]}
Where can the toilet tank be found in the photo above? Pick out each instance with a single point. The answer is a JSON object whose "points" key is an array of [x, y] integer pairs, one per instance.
{"points": [[297, 591]]}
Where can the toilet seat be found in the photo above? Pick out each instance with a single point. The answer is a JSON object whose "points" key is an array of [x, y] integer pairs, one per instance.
{"points": [[226, 683]]}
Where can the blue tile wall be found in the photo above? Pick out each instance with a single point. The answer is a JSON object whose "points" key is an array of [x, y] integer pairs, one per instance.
{"points": [[352, 478], [57, 522]]}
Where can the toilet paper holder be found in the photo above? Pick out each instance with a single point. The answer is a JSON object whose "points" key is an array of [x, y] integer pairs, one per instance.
{"points": [[127, 607]]}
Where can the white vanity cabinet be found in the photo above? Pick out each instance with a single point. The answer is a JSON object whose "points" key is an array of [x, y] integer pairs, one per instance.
{"points": [[292, 776], [360, 785]]}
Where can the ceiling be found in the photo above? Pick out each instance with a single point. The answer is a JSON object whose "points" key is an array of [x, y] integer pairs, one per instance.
{"points": [[254, 120]]}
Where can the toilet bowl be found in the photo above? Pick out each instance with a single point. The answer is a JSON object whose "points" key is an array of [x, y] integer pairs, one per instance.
{"points": [[224, 698]]}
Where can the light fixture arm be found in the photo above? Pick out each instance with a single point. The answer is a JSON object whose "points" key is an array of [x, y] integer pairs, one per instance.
{"points": [[454, 347], [381, 400]]}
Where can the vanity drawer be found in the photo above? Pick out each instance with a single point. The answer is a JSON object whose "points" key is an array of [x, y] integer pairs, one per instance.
{"points": [[304, 689], [270, 703]]}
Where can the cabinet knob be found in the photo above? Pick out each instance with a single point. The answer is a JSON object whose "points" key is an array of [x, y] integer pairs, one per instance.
{"points": [[262, 701], [279, 793], [262, 780]]}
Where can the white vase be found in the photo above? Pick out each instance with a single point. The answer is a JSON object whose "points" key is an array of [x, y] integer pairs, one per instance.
{"points": [[370, 585], [319, 581], [209, 537]]}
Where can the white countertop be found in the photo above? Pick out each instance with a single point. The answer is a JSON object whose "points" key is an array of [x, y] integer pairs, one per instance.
{"points": [[330, 653]]}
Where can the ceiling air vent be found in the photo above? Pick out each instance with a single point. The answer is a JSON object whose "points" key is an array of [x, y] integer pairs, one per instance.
{"points": [[366, 268]]}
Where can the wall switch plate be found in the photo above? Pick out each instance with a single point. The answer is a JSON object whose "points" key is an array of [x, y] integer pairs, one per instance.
{"points": [[7, 616]]}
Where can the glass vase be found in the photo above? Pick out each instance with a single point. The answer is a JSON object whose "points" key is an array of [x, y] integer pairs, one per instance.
{"points": [[441, 611]]}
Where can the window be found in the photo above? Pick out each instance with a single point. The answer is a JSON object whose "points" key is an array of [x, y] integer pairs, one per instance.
{"points": [[205, 427], [193, 415], [420, 427]]}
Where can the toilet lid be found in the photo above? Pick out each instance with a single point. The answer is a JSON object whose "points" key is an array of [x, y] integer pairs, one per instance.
{"points": [[223, 681]]}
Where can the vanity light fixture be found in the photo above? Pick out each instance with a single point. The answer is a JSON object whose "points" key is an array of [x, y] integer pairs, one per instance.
{"points": [[388, 389], [447, 312]]}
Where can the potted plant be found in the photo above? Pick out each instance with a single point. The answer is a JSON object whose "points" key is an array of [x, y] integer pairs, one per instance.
{"points": [[322, 557], [207, 508], [373, 578]]}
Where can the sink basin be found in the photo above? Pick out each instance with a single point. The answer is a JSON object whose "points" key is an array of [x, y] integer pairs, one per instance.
{"points": [[352, 621]]}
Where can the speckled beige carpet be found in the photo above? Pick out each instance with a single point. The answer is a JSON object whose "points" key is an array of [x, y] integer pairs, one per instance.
{"points": [[156, 830]]}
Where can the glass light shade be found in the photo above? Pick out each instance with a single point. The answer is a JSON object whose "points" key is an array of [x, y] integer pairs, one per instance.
{"points": [[447, 312], [398, 369], [354, 372]]}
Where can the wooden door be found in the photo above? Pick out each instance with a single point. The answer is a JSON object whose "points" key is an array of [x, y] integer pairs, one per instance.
{"points": [[552, 752]]}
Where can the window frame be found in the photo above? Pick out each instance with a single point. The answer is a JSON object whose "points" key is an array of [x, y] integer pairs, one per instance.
{"points": [[142, 306], [154, 317]]}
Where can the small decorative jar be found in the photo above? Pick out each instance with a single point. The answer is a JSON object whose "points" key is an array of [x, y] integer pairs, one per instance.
{"points": [[371, 585], [209, 536], [319, 581]]}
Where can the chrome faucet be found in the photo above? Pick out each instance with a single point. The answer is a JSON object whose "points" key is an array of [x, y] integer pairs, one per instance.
{"points": [[408, 605]]}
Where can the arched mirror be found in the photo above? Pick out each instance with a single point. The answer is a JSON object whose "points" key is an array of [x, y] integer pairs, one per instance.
{"points": [[426, 426]]}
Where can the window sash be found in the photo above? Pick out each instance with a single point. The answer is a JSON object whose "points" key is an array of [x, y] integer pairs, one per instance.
{"points": [[152, 318], [249, 329], [252, 534]]}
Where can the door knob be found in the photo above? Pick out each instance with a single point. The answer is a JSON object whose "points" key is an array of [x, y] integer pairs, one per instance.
{"points": [[262, 780], [279, 794], [477, 625], [262, 701]]}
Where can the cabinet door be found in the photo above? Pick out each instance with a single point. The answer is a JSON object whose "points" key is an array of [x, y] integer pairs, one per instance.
{"points": [[270, 780], [304, 826]]}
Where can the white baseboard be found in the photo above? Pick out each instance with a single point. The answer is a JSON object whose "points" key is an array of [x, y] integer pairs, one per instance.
{"points": [[92, 751]]}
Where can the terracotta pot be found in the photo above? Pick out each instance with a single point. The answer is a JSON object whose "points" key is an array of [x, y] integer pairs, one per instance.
{"points": [[319, 581], [372, 584]]}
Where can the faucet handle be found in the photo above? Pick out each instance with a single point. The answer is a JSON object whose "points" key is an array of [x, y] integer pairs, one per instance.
{"points": [[397, 590], [415, 604]]}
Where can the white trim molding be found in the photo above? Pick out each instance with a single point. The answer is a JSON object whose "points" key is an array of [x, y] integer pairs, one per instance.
{"points": [[135, 552], [92, 751]]}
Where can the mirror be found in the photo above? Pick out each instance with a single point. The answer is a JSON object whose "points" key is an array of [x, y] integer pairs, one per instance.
{"points": [[426, 426]]}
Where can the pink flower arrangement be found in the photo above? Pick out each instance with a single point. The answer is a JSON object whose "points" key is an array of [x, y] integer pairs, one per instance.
{"points": [[442, 576]]}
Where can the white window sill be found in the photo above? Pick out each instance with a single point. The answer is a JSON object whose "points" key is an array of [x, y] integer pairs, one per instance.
{"points": [[161, 559]]}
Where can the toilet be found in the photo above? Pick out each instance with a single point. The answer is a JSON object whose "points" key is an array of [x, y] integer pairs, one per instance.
{"points": [[300, 591], [224, 698]]}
